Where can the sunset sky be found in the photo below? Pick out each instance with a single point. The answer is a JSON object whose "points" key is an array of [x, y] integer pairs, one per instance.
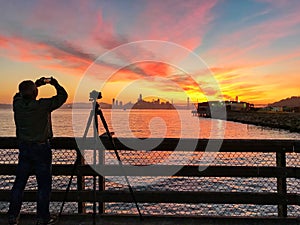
{"points": [[250, 47]]}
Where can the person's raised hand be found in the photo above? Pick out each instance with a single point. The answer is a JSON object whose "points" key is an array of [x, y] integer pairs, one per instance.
{"points": [[53, 81], [40, 82]]}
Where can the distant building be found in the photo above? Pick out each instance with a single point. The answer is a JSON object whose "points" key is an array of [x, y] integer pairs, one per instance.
{"points": [[204, 108], [238, 106], [276, 109]]}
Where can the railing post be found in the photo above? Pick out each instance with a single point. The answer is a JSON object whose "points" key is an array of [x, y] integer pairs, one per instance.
{"points": [[281, 182], [80, 181], [101, 180]]}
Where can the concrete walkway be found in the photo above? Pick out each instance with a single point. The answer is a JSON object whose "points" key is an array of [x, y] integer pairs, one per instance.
{"points": [[155, 220]]}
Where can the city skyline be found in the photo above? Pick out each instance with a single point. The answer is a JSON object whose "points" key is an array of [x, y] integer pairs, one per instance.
{"points": [[249, 47]]}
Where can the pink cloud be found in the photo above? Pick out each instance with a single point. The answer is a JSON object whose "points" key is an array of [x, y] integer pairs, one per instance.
{"points": [[181, 22], [70, 19], [84, 27], [82, 24], [53, 35], [46, 56], [3, 41], [105, 34]]}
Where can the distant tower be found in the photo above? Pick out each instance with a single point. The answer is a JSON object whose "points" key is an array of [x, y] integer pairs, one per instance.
{"points": [[121, 103], [188, 103], [117, 102], [237, 98], [113, 101], [140, 98]]}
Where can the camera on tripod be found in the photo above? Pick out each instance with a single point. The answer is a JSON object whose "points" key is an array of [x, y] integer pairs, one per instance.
{"points": [[94, 95], [95, 112]]}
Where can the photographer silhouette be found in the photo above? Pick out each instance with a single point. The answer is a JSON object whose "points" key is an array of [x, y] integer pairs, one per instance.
{"points": [[34, 130]]}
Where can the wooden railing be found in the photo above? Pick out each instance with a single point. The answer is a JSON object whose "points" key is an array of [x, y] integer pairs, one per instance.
{"points": [[281, 172]]}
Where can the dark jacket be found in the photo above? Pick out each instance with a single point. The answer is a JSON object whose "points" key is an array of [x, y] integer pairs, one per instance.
{"points": [[33, 117]]}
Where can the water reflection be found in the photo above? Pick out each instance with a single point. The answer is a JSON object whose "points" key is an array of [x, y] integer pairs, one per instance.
{"points": [[152, 123]]}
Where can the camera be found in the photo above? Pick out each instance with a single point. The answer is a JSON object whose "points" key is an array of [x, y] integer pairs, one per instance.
{"points": [[95, 95]]}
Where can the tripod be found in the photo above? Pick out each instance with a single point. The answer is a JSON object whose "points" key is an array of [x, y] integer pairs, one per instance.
{"points": [[94, 113]]}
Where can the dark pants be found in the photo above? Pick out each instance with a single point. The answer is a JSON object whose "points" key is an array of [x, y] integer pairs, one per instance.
{"points": [[36, 158]]}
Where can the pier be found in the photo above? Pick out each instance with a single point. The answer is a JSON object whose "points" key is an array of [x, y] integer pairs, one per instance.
{"points": [[278, 120], [250, 182]]}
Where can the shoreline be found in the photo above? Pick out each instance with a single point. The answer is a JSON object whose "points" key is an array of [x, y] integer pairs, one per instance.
{"points": [[277, 120]]}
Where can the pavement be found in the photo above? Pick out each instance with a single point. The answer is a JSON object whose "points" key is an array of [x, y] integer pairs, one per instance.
{"points": [[88, 219]]}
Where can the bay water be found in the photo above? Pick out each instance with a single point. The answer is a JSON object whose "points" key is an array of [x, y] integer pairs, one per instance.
{"points": [[171, 124]]}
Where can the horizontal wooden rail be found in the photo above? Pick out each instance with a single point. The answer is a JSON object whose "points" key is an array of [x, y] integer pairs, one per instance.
{"points": [[171, 144], [182, 171], [168, 197]]}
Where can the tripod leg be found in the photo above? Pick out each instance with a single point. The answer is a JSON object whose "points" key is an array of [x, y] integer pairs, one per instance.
{"points": [[77, 161], [95, 130], [88, 124], [99, 112], [69, 184]]}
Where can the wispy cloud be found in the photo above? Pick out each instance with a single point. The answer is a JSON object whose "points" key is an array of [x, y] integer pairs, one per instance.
{"points": [[237, 45], [184, 23], [48, 52]]}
